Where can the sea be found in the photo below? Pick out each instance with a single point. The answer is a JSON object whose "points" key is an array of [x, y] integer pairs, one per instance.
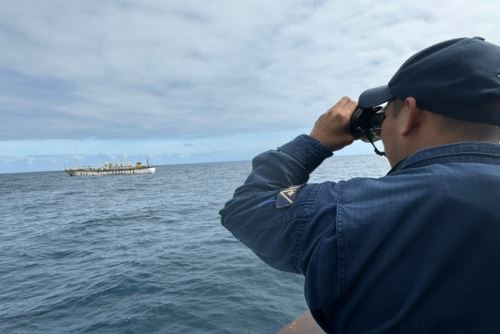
{"points": [[142, 253]]}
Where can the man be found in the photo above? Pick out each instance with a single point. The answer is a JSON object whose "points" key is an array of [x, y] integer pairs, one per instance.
{"points": [[415, 251]]}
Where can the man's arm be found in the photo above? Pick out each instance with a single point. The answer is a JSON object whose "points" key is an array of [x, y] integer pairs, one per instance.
{"points": [[270, 217], [265, 213]]}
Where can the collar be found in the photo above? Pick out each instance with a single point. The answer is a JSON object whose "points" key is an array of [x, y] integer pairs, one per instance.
{"points": [[463, 151]]}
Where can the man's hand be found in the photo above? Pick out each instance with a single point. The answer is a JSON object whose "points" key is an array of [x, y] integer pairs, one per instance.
{"points": [[332, 128]]}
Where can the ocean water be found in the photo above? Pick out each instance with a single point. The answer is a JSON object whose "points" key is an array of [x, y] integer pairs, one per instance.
{"points": [[141, 254]]}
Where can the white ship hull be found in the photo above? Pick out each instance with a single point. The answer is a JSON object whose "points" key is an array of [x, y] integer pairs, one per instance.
{"points": [[116, 171]]}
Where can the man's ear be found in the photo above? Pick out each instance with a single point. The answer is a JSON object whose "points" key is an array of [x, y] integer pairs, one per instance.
{"points": [[412, 117]]}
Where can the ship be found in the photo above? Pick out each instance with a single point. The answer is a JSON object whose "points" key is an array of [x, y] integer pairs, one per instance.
{"points": [[112, 169]]}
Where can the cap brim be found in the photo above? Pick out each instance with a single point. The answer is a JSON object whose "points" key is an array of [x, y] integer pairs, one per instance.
{"points": [[375, 96]]}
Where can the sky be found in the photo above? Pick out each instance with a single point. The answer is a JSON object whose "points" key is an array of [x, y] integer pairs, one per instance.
{"points": [[84, 82]]}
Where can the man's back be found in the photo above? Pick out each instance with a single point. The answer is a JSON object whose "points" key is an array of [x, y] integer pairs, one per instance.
{"points": [[427, 256]]}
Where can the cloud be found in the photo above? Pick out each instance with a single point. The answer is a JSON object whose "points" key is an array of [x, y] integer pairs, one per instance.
{"points": [[184, 69], [185, 81]]}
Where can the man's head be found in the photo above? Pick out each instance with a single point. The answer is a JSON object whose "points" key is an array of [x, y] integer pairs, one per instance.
{"points": [[448, 92], [408, 128]]}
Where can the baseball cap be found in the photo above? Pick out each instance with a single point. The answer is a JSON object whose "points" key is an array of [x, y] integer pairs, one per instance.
{"points": [[458, 78]]}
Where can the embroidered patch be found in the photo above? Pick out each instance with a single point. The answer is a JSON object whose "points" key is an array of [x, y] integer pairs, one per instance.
{"points": [[287, 197]]}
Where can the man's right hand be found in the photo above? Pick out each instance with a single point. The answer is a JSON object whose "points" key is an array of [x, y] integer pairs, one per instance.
{"points": [[332, 128]]}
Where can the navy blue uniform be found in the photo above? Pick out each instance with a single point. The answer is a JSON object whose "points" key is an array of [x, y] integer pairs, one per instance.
{"points": [[415, 251]]}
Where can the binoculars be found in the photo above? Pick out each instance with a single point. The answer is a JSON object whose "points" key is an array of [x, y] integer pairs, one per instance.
{"points": [[366, 123]]}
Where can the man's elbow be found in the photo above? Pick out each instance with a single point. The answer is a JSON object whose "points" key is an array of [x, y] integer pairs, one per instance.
{"points": [[230, 212]]}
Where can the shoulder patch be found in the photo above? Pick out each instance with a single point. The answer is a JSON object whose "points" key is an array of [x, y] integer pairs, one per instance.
{"points": [[287, 197]]}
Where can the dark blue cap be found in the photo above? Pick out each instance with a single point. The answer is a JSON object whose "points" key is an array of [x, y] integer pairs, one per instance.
{"points": [[459, 78]]}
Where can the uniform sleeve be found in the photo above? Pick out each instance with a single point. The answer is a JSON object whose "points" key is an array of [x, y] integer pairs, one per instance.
{"points": [[271, 212]]}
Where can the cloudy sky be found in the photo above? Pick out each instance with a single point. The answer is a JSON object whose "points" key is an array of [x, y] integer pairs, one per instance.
{"points": [[188, 81]]}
